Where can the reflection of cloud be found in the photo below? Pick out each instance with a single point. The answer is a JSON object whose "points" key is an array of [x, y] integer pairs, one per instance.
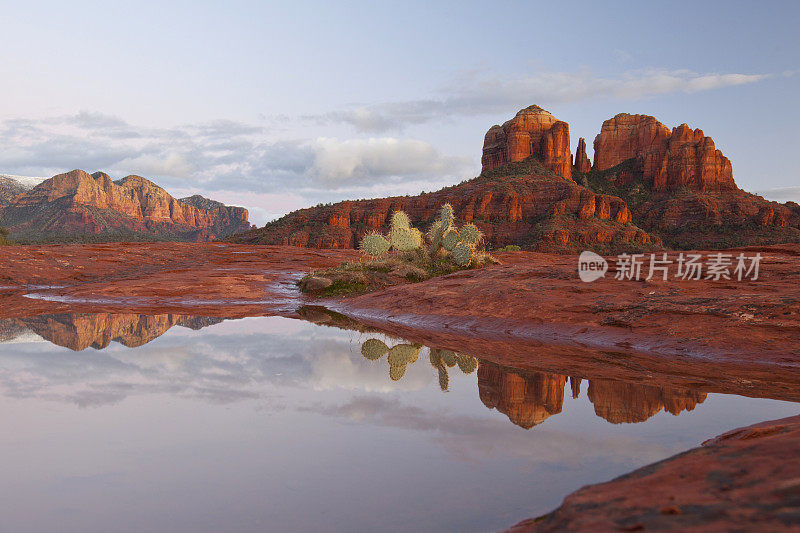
{"points": [[474, 438], [228, 362], [336, 365], [477, 93]]}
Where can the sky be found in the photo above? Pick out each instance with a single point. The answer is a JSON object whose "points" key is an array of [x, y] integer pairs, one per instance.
{"points": [[280, 105]]}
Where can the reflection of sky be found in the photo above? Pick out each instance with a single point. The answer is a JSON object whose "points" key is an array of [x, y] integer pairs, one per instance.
{"points": [[273, 424]]}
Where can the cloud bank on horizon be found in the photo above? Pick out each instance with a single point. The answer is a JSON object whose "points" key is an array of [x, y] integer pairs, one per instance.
{"points": [[250, 165]]}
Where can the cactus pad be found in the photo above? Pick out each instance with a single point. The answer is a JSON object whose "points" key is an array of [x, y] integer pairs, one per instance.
{"points": [[462, 254], [375, 244], [444, 378], [450, 239], [397, 372], [446, 215], [466, 363], [449, 357], [403, 354], [403, 239], [400, 220], [373, 349], [470, 234]]}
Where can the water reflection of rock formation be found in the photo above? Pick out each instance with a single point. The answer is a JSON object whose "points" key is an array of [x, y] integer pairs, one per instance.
{"points": [[97, 330], [529, 398]]}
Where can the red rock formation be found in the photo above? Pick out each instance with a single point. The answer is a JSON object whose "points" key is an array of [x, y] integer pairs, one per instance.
{"points": [[743, 480], [529, 206], [668, 160], [76, 202], [533, 131], [527, 399], [96, 330], [9, 189], [622, 402], [582, 163]]}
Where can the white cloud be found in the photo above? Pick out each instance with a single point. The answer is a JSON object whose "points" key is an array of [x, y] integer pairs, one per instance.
{"points": [[363, 160], [482, 93], [782, 194]]}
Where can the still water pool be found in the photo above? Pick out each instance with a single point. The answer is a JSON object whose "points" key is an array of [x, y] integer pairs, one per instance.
{"points": [[171, 423]]}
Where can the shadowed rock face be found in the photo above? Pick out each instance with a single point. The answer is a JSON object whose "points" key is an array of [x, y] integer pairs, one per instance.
{"points": [[79, 203], [533, 131], [669, 160]]}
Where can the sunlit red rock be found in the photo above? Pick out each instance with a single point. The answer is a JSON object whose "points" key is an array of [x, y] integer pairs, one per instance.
{"points": [[582, 163], [668, 160], [78, 203], [533, 131]]}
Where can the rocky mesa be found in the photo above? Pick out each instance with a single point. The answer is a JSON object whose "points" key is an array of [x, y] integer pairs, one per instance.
{"points": [[649, 186], [77, 205], [680, 187], [524, 196]]}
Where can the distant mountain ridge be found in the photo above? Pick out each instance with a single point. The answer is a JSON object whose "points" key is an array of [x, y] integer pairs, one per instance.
{"points": [[79, 206]]}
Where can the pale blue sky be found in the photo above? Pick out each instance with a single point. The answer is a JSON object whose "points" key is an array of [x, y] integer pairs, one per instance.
{"points": [[279, 105]]}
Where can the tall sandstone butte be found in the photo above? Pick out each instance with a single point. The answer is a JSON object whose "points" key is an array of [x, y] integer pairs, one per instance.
{"points": [[669, 160], [533, 131]]}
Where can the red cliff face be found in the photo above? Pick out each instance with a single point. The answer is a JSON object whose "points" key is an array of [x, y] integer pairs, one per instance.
{"points": [[582, 163], [669, 160], [533, 131], [76, 202]]}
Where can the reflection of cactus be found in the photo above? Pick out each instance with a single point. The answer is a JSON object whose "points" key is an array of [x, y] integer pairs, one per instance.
{"points": [[373, 349], [397, 372], [400, 220], [403, 354], [466, 363], [448, 357], [444, 378], [450, 239], [470, 234], [463, 253], [375, 244]]}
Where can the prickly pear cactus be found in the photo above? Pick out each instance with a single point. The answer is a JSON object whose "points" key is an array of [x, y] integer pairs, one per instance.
{"points": [[373, 349], [446, 215], [403, 354], [417, 236], [449, 357], [436, 358], [403, 239], [400, 220], [450, 239], [397, 372], [466, 363], [470, 234], [444, 378], [375, 244], [463, 253]]}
